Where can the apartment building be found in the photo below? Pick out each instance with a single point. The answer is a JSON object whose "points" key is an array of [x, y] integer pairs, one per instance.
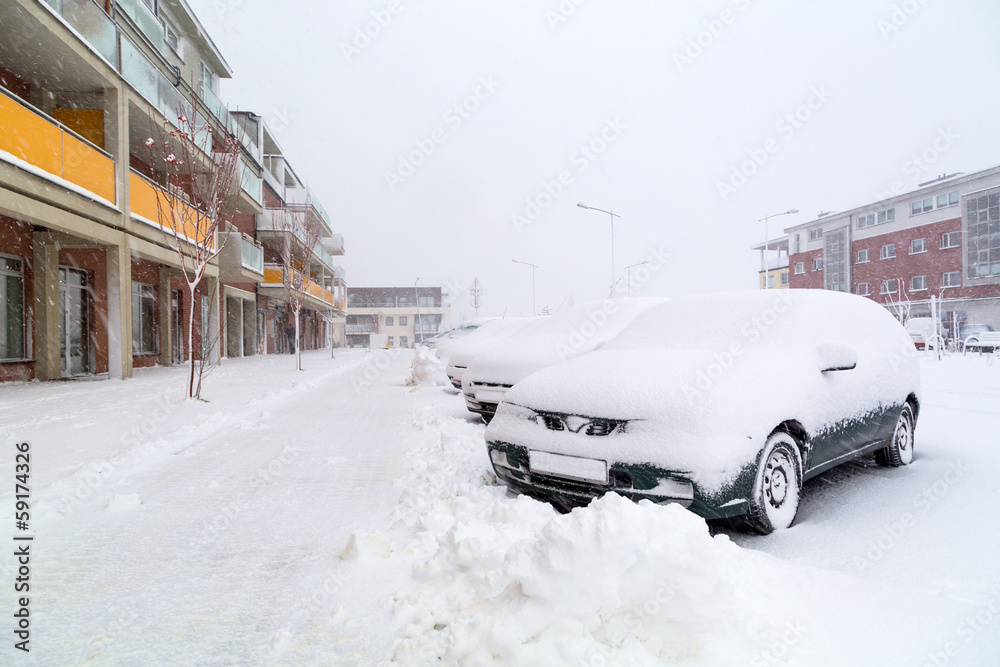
{"points": [[399, 316], [942, 239], [89, 285], [773, 272]]}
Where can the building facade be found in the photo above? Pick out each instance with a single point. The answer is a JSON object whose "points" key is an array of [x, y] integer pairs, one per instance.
{"points": [[89, 283], [942, 239], [394, 316]]}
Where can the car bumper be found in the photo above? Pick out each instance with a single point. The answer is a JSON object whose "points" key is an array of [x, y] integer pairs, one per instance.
{"points": [[634, 481]]}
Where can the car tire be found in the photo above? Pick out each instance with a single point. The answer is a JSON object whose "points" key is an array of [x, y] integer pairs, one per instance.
{"points": [[899, 450], [777, 485]]}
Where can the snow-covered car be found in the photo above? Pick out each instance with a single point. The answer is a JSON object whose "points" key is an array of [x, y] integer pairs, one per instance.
{"points": [[724, 403], [569, 333], [925, 332], [444, 338], [970, 335], [461, 352]]}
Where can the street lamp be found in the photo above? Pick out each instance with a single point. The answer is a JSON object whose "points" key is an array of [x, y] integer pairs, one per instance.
{"points": [[628, 274], [767, 239], [416, 317], [613, 216], [533, 267]]}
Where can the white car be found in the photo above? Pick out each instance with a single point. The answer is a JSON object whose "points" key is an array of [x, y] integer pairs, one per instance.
{"points": [[724, 403], [567, 334], [461, 352]]}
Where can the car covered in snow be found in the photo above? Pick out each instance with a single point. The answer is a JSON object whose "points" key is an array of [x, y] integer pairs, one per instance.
{"points": [[492, 333], [724, 403], [569, 333], [925, 332]]}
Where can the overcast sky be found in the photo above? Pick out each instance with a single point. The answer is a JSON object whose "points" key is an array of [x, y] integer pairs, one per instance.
{"points": [[639, 106]]}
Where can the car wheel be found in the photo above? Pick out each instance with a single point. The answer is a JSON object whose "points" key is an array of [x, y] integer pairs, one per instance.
{"points": [[776, 489], [899, 451]]}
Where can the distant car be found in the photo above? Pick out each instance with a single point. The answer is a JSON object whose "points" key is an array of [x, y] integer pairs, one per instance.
{"points": [[445, 337], [484, 338], [569, 333], [724, 403], [969, 334], [925, 332]]}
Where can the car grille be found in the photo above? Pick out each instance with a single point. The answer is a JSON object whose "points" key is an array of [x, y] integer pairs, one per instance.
{"points": [[585, 425]]}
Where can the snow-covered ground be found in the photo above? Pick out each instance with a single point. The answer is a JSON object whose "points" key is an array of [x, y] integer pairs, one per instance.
{"points": [[347, 514]]}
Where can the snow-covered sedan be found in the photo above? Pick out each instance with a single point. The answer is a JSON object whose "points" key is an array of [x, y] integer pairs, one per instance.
{"points": [[492, 333], [724, 403], [569, 333]]}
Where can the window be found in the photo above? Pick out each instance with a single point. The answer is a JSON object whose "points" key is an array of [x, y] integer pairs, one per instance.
{"points": [[11, 307], [784, 278], [889, 286], [888, 251], [403, 342], [918, 246], [983, 235], [862, 289], [392, 341], [951, 240], [402, 320], [172, 40], [818, 264], [816, 234], [922, 205], [770, 282], [798, 244], [863, 257], [879, 218], [951, 279], [144, 337], [205, 322], [800, 267], [918, 283], [389, 321]]}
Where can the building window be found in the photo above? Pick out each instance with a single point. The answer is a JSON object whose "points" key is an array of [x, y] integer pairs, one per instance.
{"points": [[951, 279], [887, 215], [770, 282], [861, 289], [951, 240], [798, 244], [800, 267], [403, 342], [172, 40], [392, 341], [918, 246], [879, 218], [922, 205], [863, 257], [816, 234], [889, 286], [983, 235], [866, 220], [918, 283], [206, 344], [784, 278], [818, 264], [888, 251], [11, 307], [949, 199], [144, 338], [402, 320], [389, 321]]}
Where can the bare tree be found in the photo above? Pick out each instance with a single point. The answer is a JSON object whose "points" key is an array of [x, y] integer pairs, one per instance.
{"points": [[300, 238], [200, 174]]}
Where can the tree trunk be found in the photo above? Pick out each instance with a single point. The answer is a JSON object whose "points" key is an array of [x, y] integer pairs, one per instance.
{"points": [[298, 350], [191, 289]]}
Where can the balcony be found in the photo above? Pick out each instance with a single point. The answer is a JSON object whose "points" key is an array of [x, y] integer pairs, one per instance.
{"points": [[317, 295], [773, 263], [334, 244], [146, 20], [29, 135], [148, 203], [241, 258], [273, 220], [92, 23]]}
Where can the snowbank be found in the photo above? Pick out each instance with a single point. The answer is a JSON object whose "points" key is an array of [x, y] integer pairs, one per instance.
{"points": [[427, 369]]}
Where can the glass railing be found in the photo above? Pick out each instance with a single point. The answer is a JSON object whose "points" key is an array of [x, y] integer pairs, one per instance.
{"points": [[148, 22], [29, 135], [251, 183], [92, 23], [252, 255]]}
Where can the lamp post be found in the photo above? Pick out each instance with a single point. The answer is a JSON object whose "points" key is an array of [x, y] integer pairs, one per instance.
{"points": [[416, 317], [533, 267], [767, 240], [628, 274], [613, 216]]}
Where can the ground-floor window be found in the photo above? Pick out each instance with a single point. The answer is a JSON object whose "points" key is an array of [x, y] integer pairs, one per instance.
{"points": [[206, 344], [11, 307], [403, 341], [144, 338]]}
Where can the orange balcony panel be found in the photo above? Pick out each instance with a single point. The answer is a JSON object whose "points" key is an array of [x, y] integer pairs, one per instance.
{"points": [[273, 276], [150, 202], [39, 141]]}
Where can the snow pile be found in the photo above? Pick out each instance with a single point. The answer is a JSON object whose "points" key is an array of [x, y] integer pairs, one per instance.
{"points": [[506, 579], [427, 370]]}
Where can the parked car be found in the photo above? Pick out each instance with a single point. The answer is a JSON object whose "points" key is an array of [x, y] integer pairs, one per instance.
{"points": [[569, 333], [459, 354], [445, 337], [724, 403], [969, 334], [925, 332]]}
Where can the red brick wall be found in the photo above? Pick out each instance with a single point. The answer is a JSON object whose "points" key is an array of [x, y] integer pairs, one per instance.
{"points": [[808, 280], [15, 239]]}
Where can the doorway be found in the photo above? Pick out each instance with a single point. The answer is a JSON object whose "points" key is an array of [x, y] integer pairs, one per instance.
{"points": [[74, 322]]}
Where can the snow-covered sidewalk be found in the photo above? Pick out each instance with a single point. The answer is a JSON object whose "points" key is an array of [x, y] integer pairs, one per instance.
{"points": [[339, 516]]}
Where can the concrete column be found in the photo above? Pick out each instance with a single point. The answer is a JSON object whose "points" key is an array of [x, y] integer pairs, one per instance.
{"points": [[166, 319], [212, 288], [119, 262], [45, 256]]}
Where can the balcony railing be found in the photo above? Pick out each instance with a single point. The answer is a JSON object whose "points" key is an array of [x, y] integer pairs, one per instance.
{"points": [[364, 327], [146, 20], [252, 254], [273, 220], [274, 276], [149, 202], [334, 243], [92, 23], [31, 136]]}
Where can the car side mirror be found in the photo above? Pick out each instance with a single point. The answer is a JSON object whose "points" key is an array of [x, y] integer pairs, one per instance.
{"points": [[836, 357]]}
